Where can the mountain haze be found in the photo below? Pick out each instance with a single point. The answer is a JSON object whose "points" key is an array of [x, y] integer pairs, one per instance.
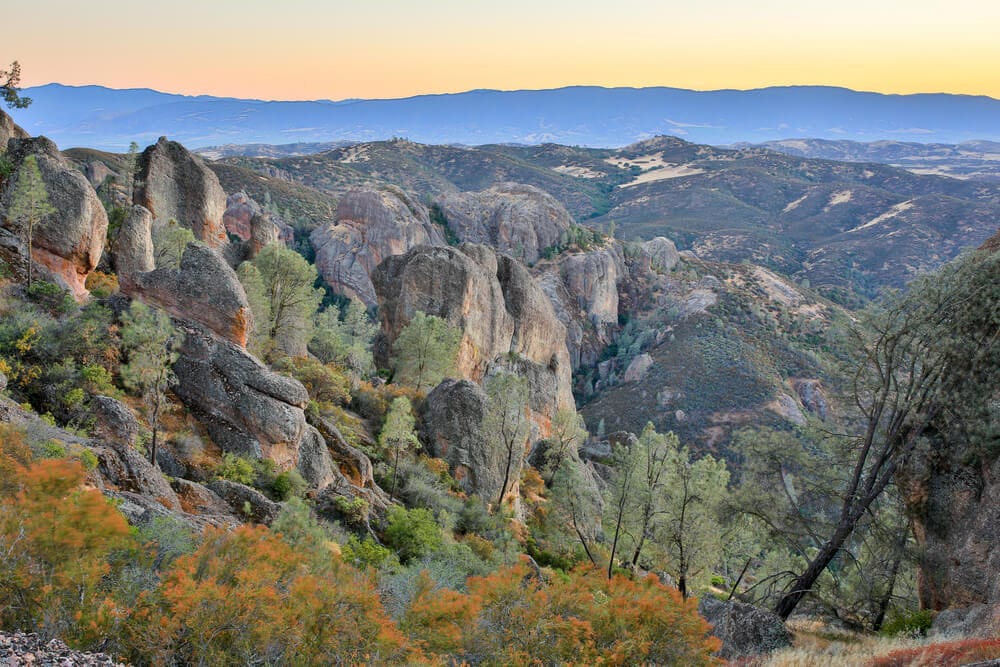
{"points": [[105, 118]]}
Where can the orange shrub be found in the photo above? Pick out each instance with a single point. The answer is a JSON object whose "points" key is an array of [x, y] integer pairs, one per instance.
{"points": [[946, 654]]}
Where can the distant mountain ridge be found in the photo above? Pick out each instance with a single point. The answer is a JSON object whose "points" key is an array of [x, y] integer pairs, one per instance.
{"points": [[106, 118]]}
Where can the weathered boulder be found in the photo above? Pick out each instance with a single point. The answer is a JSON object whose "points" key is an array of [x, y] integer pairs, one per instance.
{"points": [[505, 318], [247, 503], [257, 228], [638, 368], [132, 251], [314, 462], [810, 392], [70, 241], [246, 408], [114, 422], [125, 469], [175, 184], [744, 630], [203, 289], [199, 499], [520, 220], [452, 430], [97, 173], [9, 130], [370, 226], [663, 255]]}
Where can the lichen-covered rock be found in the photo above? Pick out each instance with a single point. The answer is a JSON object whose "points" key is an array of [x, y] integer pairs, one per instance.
{"points": [[246, 408], [175, 184], [97, 173], [314, 462], [663, 255], [113, 421], [240, 212], [9, 130], [126, 469], [203, 289], [70, 241], [453, 419], [247, 503], [199, 499], [810, 392], [132, 251], [638, 368], [744, 630], [503, 315], [370, 226], [520, 220]]}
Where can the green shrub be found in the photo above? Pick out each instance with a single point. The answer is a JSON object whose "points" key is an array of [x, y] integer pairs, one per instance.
{"points": [[289, 484], [51, 297], [367, 553], [911, 623], [236, 469], [53, 449], [412, 533], [87, 458]]}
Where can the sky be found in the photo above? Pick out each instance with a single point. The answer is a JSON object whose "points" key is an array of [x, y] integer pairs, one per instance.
{"points": [[305, 49]]}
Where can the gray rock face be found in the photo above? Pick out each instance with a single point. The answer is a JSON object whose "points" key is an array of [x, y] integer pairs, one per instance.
{"points": [[978, 620], [370, 226], [133, 247], [70, 241], [812, 396], [201, 500], [953, 501], [240, 498], [10, 130], [176, 184], [453, 420], [114, 422], [204, 289], [492, 299], [745, 630], [127, 470], [241, 209], [663, 255], [520, 220], [246, 408]]}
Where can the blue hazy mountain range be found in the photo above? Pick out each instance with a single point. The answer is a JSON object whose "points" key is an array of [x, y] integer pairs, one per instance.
{"points": [[109, 119]]}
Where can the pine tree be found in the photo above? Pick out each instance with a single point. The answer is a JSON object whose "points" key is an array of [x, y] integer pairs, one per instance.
{"points": [[397, 434], [29, 203], [151, 341], [425, 351], [506, 423], [292, 300]]}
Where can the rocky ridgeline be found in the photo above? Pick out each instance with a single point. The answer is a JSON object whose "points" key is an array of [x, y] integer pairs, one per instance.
{"points": [[24, 649], [68, 242]]}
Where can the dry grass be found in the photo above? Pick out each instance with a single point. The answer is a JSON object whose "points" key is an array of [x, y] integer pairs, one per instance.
{"points": [[816, 645]]}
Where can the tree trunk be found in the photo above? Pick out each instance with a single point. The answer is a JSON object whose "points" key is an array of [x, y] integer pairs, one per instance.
{"points": [[804, 583]]}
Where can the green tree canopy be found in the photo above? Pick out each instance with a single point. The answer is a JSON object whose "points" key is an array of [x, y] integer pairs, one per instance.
{"points": [[29, 203], [9, 90], [345, 339], [425, 351]]}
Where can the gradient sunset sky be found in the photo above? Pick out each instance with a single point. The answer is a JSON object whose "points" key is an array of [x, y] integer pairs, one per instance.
{"points": [[303, 49]]}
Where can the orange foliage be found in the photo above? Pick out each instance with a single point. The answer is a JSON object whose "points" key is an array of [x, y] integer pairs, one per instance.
{"points": [[56, 538], [247, 597], [946, 654], [514, 617]]}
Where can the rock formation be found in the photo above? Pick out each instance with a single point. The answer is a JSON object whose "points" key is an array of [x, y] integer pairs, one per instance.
{"points": [[9, 130], [175, 184], [132, 250], [241, 210], [453, 431], [70, 241], [745, 630], [370, 226], [203, 289], [519, 220]]}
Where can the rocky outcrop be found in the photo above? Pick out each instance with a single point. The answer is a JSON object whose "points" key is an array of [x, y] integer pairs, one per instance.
{"points": [[662, 253], [744, 630], [503, 315], [113, 421], [246, 408], [203, 289], [125, 469], [519, 220], [176, 184], [240, 212], [247, 503], [9, 130], [68, 242], [132, 250], [812, 395], [453, 420], [370, 226], [19, 648], [952, 497]]}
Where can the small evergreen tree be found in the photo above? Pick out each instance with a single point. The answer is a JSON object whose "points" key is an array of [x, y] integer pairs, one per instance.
{"points": [[292, 301], [397, 434], [9, 88], [29, 203], [506, 423], [151, 342], [425, 351], [169, 242], [345, 339]]}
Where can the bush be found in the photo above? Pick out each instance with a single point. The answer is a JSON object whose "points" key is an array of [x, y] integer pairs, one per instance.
{"points": [[289, 484], [236, 469], [909, 624], [412, 533], [102, 285], [51, 297]]}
